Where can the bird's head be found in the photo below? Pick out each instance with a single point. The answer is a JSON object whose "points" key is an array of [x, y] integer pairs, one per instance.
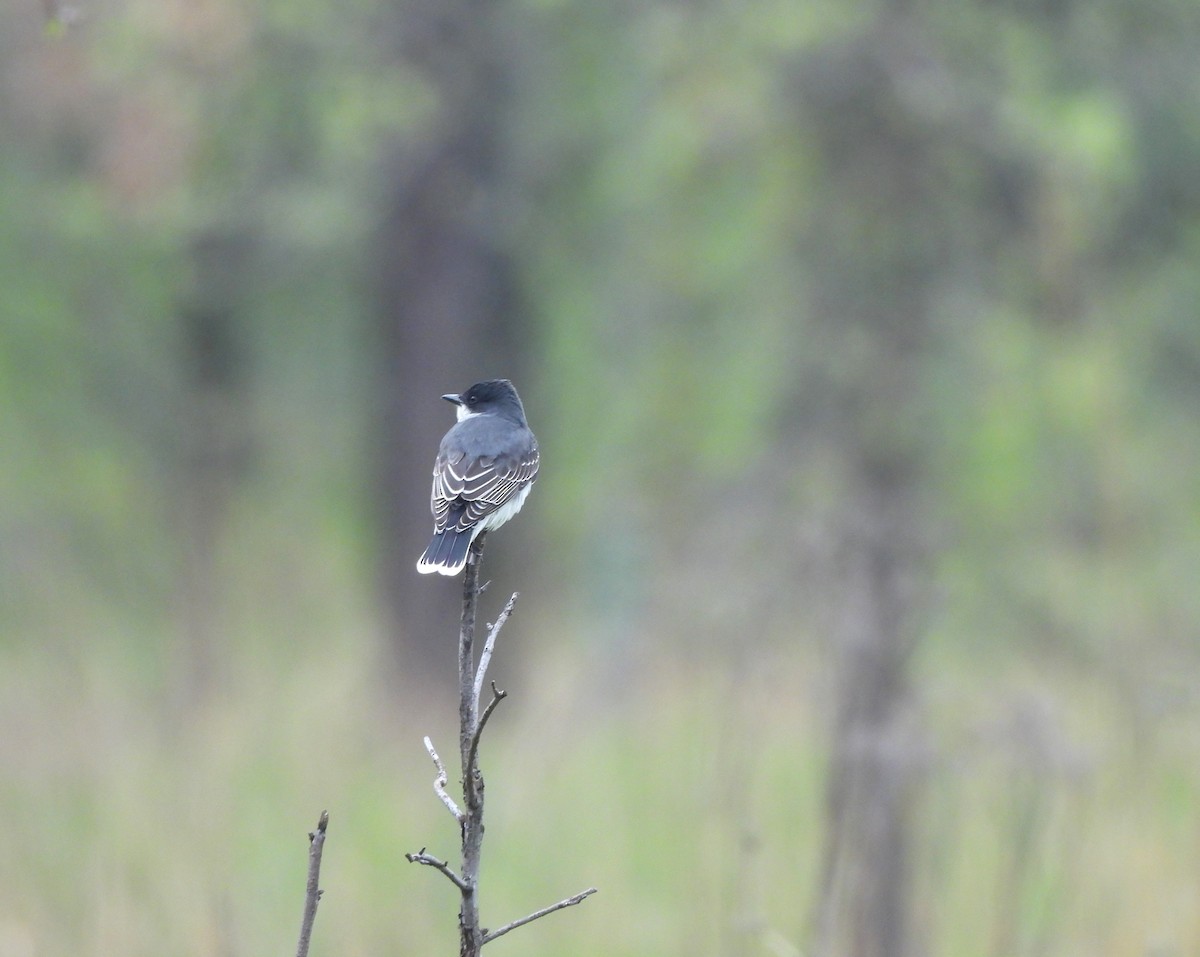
{"points": [[491, 397]]}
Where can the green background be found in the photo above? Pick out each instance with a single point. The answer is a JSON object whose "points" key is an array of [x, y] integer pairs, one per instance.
{"points": [[800, 286]]}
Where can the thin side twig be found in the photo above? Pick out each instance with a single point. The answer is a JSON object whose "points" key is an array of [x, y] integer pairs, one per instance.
{"points": [[497, 697], [313, 892], [440, 782], [568, 902], [438, 865], [489, 644]]}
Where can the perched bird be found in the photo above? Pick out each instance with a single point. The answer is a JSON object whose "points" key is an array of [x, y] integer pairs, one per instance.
{"points": [[485, 467]]}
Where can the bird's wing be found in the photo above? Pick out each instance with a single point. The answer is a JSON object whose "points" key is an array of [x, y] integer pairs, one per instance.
{"points": [[466, 489]]}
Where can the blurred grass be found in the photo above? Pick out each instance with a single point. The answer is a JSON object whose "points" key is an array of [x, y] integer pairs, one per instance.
{"points": [[692, 797]]}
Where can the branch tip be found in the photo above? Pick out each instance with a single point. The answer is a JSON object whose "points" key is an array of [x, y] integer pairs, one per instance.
{"points": [[489, 645], [313, 892], [438, 865], [537, 914]]}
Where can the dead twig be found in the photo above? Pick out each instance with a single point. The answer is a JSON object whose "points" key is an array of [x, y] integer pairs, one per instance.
{"points": [[568, 902], [313, 892], [497, 697], [438, 865], [439, 783], [470, 935], [471, 724], [489, 645]]}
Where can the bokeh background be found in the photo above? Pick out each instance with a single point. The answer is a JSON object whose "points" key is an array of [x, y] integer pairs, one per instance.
{"points": [[861, 587]]}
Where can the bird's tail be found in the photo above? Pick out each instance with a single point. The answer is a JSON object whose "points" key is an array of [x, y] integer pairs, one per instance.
{"points": [[447, 553]]}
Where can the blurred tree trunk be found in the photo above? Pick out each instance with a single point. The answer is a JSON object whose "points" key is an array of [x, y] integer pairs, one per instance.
{"points": [[864, 902], [444, 299], [879, 245], [214, 437]]}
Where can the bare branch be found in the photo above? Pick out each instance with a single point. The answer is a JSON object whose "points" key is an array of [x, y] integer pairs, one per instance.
{"points": [[472, 722], [468, 704], [497, 697], [489, 644], [568, 902], [440, 782], [430, 861], [313, 892], [470, 936]]}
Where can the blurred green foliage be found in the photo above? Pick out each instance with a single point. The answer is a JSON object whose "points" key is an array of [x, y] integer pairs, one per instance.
{"points": [[724, 217]]}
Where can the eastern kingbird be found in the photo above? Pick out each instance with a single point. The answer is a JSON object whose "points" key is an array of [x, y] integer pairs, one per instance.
{"points": [[485, 467]]}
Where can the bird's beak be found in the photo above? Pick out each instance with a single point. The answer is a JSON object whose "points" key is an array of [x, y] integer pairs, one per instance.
{"points": [[456, 399]]}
